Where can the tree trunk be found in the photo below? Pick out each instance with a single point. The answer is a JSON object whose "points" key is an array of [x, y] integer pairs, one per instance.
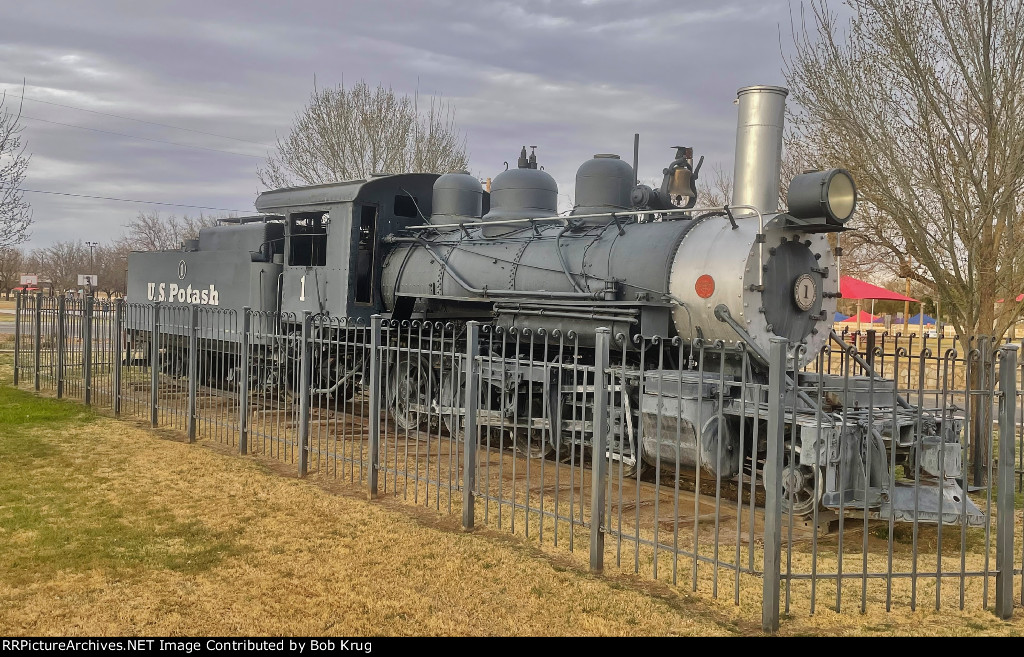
{"points": [[981, 381]]}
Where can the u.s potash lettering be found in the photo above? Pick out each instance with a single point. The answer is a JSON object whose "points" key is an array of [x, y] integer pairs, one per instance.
{"points": [[173, 292]]}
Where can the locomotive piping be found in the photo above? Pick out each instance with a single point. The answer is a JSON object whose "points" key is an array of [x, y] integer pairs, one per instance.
{"points": [[565, 220], [630, 319], [682, 304], [561, 256], [596, 296]]}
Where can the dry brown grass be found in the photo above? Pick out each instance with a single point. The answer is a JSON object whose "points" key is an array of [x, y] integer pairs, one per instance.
{"points": [[222, 544], [294, 560]]}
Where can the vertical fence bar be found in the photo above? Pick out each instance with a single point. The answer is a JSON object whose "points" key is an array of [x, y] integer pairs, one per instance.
{"points": [[37, 339], [87, 349], [61, 338], [1004, 499], [979, 445], [305, 383], [599, 460], [18, 306], [375, 363], [773, 485], [193, 372], [472, 431], [243, 384], [154, 366], [119, 355]]}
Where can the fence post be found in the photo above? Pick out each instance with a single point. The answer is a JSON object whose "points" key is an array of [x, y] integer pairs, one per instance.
{"points": [[243, 385], [61, 338], [1004, 494], [193, 371], [305, 383], [118, 354], [37, 338], [87, 349], [154, 366], [471, 433], [18, 305], [375, 363], [773, 485], [599, 458]]}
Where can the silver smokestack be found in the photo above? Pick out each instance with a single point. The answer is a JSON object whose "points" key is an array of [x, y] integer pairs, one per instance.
{"points": [[762, 109]]}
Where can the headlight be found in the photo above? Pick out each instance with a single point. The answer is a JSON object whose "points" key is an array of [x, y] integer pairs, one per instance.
{"points": [[830, 194]]}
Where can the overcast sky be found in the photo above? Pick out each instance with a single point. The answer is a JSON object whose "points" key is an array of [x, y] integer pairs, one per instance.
{"points": [[573, 77]]}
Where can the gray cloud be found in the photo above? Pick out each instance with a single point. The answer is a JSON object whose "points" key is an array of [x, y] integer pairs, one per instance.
{"points": [[575, 78]]}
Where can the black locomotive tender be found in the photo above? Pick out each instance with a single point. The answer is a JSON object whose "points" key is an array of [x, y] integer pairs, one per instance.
{"points": [[640, 261]]}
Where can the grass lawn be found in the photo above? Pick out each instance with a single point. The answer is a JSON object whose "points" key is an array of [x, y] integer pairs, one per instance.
{"points": [[109, 528]]}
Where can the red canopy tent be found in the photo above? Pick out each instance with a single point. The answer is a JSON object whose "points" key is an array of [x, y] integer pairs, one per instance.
{"points": [[854, 288], [1020, 297], [863, 317]]}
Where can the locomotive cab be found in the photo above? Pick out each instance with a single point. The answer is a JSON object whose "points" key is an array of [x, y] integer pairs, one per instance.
{"points": [[332, 243]]}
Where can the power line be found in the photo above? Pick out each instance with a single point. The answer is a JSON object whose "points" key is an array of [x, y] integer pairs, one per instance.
{"points": [[121, 134], [124, 200], [128, 118]]}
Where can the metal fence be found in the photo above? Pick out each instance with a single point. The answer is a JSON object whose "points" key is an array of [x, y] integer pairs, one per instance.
{"points": [[875, 474]]}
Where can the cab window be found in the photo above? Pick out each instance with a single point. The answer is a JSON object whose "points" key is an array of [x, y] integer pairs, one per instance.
{"points": [[307, 246]]}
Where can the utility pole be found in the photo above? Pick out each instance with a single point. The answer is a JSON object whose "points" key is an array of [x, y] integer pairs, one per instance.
{"points": [[92, 265], [906, 304]]}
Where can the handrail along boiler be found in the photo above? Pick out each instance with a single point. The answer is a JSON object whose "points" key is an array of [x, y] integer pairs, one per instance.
{"points": [[641, 261]]}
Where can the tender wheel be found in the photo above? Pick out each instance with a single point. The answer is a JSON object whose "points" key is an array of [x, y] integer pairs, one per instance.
{"points": [[411, 384], [213, 370], [532, 443], [173, 362], [452, 398], [337, 377], [798, 488], [289, 362]]}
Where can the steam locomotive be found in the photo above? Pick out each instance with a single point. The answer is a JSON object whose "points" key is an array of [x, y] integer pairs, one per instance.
{"points": [[638, 260]]}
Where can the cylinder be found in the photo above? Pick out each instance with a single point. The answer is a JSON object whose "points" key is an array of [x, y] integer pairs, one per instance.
{"points": [[762, 109]]}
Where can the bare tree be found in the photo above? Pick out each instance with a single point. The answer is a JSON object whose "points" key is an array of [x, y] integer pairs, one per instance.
{"points": [[152, 232], [15, 212], [111, 268], [61, 263], [924, 103], [715, 191], [11, 262], [345, 134]]}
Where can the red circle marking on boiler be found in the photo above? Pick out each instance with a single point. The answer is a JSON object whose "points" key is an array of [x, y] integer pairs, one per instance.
{"points": [[705, 286]]}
